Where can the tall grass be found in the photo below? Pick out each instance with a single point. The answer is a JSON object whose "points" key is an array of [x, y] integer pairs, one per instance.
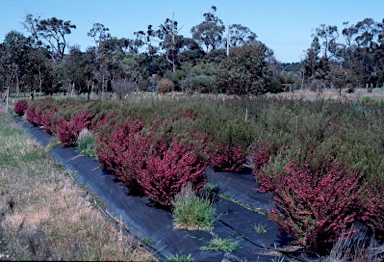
{"points": [[44, 215]]}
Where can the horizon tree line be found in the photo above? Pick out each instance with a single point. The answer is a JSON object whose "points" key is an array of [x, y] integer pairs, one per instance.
{"points": [[43, 61]]}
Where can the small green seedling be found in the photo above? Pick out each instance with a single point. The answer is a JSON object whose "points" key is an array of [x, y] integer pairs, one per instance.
{"points": [[180, 258], [225, 244], [260, 228]]}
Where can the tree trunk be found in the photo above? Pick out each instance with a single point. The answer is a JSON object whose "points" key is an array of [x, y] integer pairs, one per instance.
{"points": [[89, 90], [102, 88], [17, 82], [40, 82], [6, 99]]}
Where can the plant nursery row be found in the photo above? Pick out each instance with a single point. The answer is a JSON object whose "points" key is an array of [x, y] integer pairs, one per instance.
{"points": [[323, 160]]}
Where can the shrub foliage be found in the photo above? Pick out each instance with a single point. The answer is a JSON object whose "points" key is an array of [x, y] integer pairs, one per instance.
{"points": [[67, 131], [20, 107], [315, 207], [246, 71], [148, 163]]}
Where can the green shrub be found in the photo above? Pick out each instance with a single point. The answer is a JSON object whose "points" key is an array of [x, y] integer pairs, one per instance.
{"points": [[201, 78], [165, 85], [246, 71], [369, 101]]}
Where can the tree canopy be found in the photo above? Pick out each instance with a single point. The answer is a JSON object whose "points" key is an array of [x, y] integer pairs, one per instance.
{"points": [[43, 61]]}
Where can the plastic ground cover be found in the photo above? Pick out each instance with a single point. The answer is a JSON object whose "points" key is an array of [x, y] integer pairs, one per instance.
{"points": [[153, 225]]}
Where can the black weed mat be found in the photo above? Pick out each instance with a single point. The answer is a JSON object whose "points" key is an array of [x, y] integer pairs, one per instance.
{"points": [[153, 225]]}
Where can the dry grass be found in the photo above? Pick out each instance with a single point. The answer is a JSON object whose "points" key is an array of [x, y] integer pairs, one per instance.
{"points": [[326, 94], [44, 215], [359, 248]]}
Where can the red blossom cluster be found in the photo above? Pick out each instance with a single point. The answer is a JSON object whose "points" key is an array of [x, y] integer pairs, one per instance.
{"points": [[46, 118], [20, 107], [373, 205], [68, 131], [316, 206], [261, 157], [32, 116], [148, 163], [229, 157]]}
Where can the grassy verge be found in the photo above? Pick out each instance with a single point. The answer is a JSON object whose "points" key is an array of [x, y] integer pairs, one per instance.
{"points": [[44, 215]]}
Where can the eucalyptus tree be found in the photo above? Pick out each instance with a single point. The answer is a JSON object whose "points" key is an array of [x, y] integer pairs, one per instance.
{"points": [[329, 36], [311, 61], [39, 74], [107, 62], [171, 43], [54, 32], [6, 71], [367, 33], [14, 58], [42, 74], [362, 51], [90, 73], [99, 33], [210, 32], [239, 35], [367, 38], [191, 52], [165, 40], [76, 71], [30, 24]]}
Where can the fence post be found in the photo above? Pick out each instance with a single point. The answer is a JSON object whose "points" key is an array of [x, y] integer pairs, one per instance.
{"points": [[6, 99]]}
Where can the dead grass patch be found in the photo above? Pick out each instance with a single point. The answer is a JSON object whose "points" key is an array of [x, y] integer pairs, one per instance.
{"points": [[45, 216]]}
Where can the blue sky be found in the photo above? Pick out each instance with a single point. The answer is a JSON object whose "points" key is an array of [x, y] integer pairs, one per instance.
{"points": [[285, 26]]}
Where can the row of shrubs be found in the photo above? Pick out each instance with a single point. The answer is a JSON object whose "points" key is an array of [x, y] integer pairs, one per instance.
{"points": [[324, 163], [323, 160], [157, 156]]}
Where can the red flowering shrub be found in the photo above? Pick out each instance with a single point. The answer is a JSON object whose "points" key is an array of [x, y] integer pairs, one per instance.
{"points": [[117, 146], [101, 120], [262, 156], [259, 159], [147, 162], [20, 107], [229, 157], [373, 209], [166, 169], [46, 118], [38, 110], [68, 131], [32, 116], [316, 207]]}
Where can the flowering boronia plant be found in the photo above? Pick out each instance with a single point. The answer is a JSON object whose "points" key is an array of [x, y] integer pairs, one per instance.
{"points": [[316, 207]]}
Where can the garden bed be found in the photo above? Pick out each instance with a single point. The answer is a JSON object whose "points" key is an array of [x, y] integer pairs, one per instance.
{"points": [[153, 224], [304, 153]]}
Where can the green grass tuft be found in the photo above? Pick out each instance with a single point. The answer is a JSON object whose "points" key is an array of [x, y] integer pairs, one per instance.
{"points": [[191, 211], [225, 244], [180, 258]]}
